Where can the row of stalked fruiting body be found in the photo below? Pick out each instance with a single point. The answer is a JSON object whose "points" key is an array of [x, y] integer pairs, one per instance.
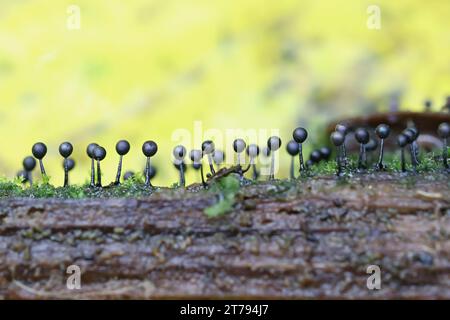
{"points": [[294, 147], [409, 136], [366, 143], [444, 133], [217, 156]]}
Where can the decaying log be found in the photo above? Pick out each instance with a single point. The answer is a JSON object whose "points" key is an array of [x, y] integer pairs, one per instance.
{"points": [[311, 239]]}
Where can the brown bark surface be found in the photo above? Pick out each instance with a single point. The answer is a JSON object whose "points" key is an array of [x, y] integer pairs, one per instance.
{"points": [[314, 239]]}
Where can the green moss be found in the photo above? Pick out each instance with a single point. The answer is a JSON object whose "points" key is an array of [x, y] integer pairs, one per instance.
{"points": [[429, 162], [10, 188], [226, 189]]}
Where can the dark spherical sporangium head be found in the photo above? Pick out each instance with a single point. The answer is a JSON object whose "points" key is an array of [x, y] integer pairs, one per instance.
{"points": [[239, 145], [444, 130], [362, 135], [70, 163], [65, 149], [402, 140], [337, 138], [149, 148], [274, 143], [300, 134], [208, 147], [252, 150], [315, 156], [325, 152], [292, 148], [195, 156], [179, 152], [122, 147], [90, 149], [39, 150], [99, 153], [29, 163], [383, 131]]}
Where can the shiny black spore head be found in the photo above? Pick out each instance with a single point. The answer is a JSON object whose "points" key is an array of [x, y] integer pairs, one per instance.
{"points": [[402, 140], [337, 138], [444, 130], [362, 135], [90, 150], [195, 156], [383, 131], [65, 149], [274, 143], [179, 152], [300, 134], [122, 147], [70, 164], [99, 153], [29, 163], [315, 156], [149, 148], [253, 150], [39, 150], [292, 148], [325, 152], [208, 147], [239, 145]]}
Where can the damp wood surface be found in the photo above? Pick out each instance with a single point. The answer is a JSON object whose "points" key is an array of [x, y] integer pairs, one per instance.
{"points": [[308, 239]]}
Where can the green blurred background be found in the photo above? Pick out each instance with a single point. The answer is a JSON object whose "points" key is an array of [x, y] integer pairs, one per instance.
{"points": [[141, 69]]}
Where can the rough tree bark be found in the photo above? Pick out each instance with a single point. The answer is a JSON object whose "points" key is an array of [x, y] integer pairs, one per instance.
{"points": [[313, 240]]}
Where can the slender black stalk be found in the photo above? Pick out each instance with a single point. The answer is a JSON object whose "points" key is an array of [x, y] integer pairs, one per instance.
{"points": [[92, 173], [380, 165], [272, 167], [99, 174], [413, 157], [444, 153], [255, 172], [338, 162], [416, 151], [182, 179], [403, 159], [300, 156], [362, 157], [203, 178], [291, 171], [344, 153], [66, 173], [29, 176], [41, 164], [240, 171], [147, 173], [211, 166], [119, 171]]}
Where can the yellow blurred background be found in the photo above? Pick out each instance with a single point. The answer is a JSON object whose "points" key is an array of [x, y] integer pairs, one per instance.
{"points": [[141, 69]]}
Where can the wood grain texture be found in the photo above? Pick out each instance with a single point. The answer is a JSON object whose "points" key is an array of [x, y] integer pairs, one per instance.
{"points": [[312, 239]]}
